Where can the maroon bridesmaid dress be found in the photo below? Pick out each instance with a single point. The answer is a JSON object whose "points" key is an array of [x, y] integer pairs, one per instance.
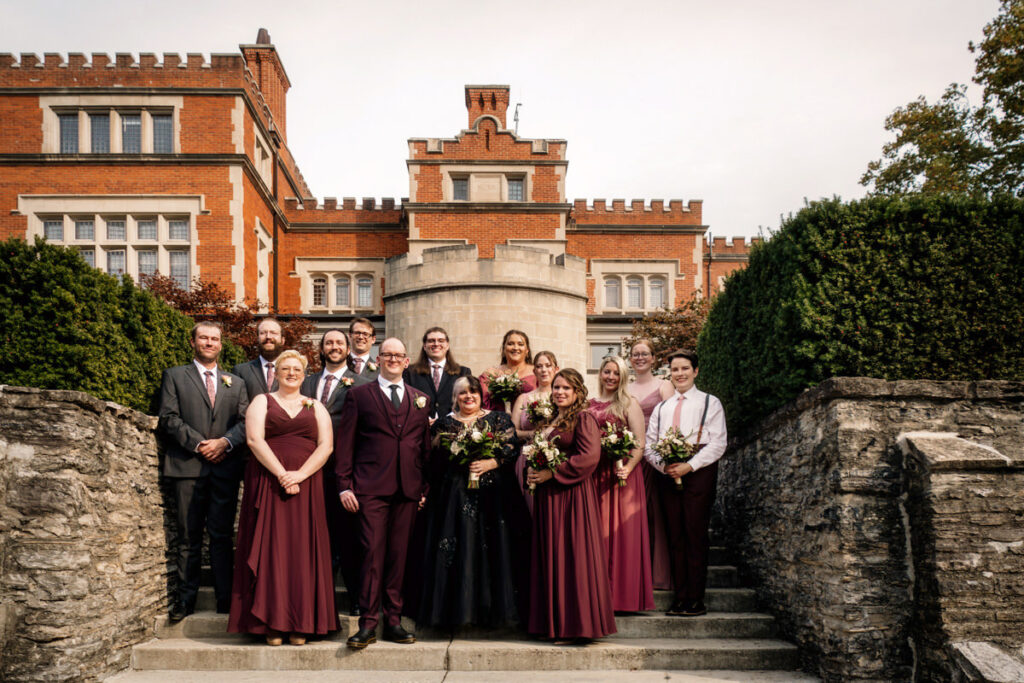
{"points": [[529, 384], [283, 579], [624, 527], [661, 570], [569, 593]]}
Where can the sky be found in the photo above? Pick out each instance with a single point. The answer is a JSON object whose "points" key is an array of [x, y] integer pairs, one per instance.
{"points": [[751, 106]]}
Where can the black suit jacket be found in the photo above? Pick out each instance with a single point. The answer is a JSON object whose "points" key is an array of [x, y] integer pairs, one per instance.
{"points": [[442, 398], [186, 418], [255, 379], [339, 391]]}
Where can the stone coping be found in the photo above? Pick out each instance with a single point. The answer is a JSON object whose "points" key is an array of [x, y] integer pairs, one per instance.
{"points": [[83, 400]]}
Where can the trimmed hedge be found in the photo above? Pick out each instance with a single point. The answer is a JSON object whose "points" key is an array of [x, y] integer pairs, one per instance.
{"points": [[67, 325], [889, 287]]}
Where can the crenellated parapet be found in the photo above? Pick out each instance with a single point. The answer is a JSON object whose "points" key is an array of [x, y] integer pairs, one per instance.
{"points": [[733, 246], [637, 212], [124, 69], [309, 212]]}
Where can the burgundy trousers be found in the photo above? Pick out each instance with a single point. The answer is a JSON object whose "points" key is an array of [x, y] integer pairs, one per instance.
{"points": [[385, 527], [687, 518]]}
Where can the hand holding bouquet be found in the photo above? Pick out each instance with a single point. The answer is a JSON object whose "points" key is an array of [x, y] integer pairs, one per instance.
{"points": [[616, 444], [472, 442], [673, 447], [542, 453], [504, 387]]}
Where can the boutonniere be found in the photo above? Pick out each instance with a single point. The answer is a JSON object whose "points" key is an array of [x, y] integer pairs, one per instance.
{"points": [[226, 379], [421, 401], [347, 381], [371, 366], [307, 403]]}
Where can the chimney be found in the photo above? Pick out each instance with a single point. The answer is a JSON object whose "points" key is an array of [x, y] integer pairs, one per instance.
{"points": [[487, 100], [268, 70]]}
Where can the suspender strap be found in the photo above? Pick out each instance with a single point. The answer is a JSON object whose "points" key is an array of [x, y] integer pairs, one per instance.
{"points": [[700, 430]]}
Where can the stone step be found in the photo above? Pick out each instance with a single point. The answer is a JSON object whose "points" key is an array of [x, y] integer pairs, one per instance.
{"points": [[593, 676], [717, 599], [612, 653], [712, 625]]}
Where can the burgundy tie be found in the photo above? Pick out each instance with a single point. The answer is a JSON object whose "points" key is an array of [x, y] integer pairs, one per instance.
{"points": [[270, 376], [210, 389], [359, 365], [327, 389], [437, 377]]}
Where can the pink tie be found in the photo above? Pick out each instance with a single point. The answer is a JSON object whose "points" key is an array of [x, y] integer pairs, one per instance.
{"points": [[359, 365], [270, 376], [677, 416], [210, 389], [327, 389], [437, 377]]}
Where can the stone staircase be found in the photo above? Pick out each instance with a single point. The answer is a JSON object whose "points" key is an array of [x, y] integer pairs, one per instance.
{"points": [[732, 642]]}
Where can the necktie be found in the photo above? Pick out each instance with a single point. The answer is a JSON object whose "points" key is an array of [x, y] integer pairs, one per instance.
{"points": [[395, 401], [210, 389], [359, 365], [437, 377], [270, 377], [678, 414], [327, 389]]}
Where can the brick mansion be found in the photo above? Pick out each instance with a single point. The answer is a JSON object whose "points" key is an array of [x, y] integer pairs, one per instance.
{"points": [[182, 167]]}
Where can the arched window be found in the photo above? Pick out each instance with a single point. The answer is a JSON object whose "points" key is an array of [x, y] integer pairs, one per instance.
{"points": [[320, 292], [342, 290], [364, 292], [656, 293], [634, 293], [612, 296]]}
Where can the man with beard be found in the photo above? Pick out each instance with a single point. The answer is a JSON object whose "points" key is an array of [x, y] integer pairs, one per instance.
{"points": [[258, 373], [331, 386], [363, 335]]}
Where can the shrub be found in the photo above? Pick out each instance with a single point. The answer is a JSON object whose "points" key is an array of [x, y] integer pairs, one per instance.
{"points": [[914, 287], [67, 325], [670, 329]]}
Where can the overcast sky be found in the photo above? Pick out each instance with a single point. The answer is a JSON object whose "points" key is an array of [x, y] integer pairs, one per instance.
{"points": [[750, 105]]}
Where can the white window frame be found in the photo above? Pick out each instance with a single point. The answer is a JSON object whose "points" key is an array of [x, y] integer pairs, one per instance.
{"points": [[85, 106]]}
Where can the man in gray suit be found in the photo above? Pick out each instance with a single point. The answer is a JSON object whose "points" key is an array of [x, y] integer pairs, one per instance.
{"points": [[363, 336], [331, 386], [202, 416], [259, 372]]}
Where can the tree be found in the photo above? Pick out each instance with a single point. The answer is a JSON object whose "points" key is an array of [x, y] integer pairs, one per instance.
{"points": [[209, 301], [952, 146], [671, 329]]}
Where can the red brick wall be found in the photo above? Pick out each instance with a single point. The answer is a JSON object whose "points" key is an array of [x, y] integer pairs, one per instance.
{"points": [[487, 229], [21, 130]]}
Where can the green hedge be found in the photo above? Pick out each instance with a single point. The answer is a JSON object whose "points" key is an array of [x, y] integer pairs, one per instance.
{"points": [[896, 288], [67, 325]]}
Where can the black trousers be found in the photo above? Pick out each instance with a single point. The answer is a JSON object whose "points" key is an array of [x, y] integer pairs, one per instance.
{"points": [[687, 518], [205, 503]]}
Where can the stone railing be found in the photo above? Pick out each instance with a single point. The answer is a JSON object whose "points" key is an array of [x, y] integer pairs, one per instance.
{"points": [[83, 567], [882, 549]]}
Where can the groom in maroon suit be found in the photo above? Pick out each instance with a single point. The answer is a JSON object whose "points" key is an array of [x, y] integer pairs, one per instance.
{"points": [[381, 450]]}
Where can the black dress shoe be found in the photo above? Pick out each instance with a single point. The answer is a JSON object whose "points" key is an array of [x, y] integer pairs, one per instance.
{"points": [[694, 609], [397, 634], [361, 639], [677, 609], [224, 607], [177, 612]]}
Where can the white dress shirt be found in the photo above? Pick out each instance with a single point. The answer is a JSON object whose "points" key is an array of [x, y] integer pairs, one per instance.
{"points": [[385, 386], [334, 386], [714, 434]]}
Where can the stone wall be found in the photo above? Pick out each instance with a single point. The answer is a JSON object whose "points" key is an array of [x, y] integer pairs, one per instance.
{"points": [[83, 569], [815, 503]]}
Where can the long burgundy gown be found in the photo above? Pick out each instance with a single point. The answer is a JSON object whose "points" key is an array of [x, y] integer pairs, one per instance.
{"points": [[569, 593], [529, 384], [661, 570], [624, 527], [283, 580]]}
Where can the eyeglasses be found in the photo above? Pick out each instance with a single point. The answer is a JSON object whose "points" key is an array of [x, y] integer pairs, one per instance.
{"points": [[638, 356], [392, 356], [362, 334], [436, 342]]}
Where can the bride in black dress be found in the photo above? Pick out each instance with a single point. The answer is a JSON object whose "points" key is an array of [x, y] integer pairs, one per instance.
{"points": [[474, 555]]}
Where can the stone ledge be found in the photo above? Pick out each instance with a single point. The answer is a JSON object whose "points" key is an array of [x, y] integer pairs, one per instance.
{"points": [[946, 451], [20, 396], [982, 661]]}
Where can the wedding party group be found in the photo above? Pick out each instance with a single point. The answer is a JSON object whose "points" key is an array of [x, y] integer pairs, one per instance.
{"points": [[508, 499]]}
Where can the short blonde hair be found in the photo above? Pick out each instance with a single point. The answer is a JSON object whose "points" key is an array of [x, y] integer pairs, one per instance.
{"points": [[290, 353]]}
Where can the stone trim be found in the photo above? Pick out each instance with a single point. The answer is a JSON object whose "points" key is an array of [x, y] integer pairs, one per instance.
{"points": [[637, 227], [482, 284]]}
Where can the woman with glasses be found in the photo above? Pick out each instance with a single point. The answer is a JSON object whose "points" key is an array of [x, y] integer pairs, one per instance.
{"points": [[650, 390], [620, 492], [516, 359]]}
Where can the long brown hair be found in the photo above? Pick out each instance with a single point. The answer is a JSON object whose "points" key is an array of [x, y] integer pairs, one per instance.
{"points": [[528, 359], [568, 417], [422, 364]]}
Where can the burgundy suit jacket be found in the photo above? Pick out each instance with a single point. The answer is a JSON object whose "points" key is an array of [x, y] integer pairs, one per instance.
{"points": [[377, 451]]}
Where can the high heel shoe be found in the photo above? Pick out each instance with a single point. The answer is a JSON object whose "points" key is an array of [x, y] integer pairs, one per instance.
{"points": [[297, 639], [274, 638]]}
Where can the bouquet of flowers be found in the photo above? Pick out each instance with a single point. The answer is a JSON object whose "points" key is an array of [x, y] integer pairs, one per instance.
{"points": [[616, 443], [542, 453], [504, 387], [473, 443], [673, 447], [540, 411]]}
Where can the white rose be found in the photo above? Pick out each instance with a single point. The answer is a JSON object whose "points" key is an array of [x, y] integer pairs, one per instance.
{"points": [[528, 449], [613, 438]]}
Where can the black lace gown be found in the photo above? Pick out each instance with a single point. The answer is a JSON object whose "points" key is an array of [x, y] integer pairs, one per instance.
{"points": [[472, 558]]}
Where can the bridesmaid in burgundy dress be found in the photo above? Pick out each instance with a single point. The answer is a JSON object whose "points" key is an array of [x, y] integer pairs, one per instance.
{"points": [[283, 581], [623, 508], [569, 593], [516, 359], [545, 365], [650, 391]]}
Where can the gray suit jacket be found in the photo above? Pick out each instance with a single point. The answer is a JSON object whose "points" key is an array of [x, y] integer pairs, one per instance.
{"points": [[255, 380], [186, 418], [337, 398], [366, 373]]}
